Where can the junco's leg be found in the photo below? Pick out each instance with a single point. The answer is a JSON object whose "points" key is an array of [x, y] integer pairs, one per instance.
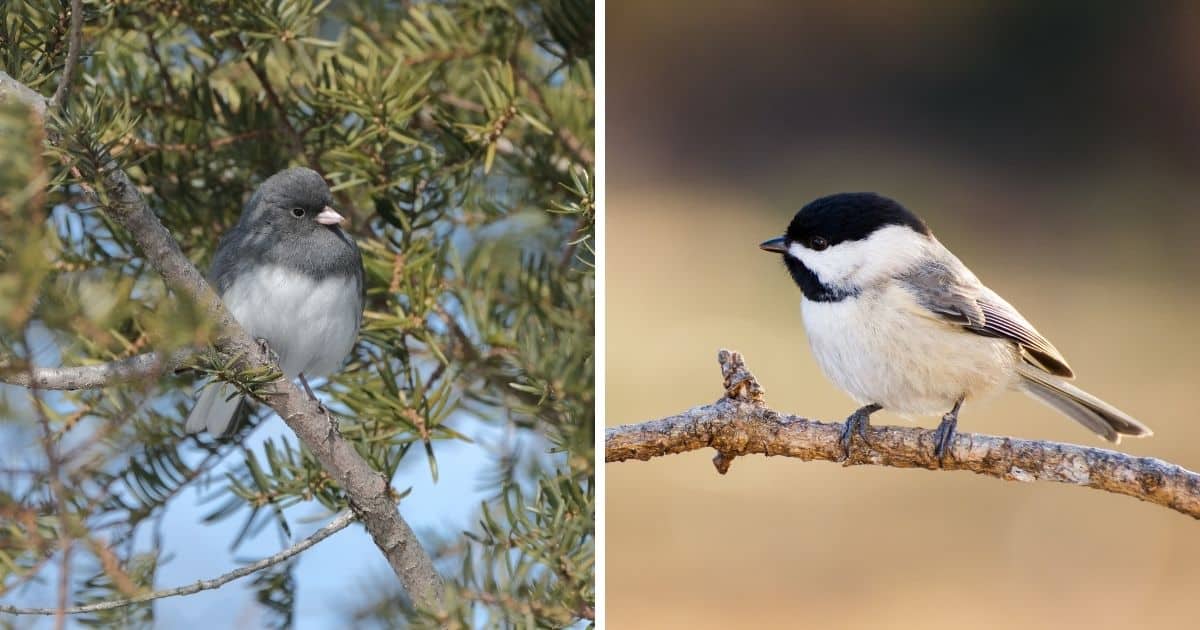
{"points": [[262, 343], [333, 423], [304, 382]]}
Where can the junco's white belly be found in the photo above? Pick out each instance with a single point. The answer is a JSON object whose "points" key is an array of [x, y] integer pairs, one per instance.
{"points": [[882, 347], [311, 324]]}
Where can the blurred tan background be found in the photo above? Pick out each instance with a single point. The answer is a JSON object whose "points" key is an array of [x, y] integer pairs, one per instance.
{"points": [[1054, 147]]}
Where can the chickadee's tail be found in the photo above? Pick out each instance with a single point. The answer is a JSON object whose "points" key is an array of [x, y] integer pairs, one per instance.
{"points": [[1102, 418], [214, 409]]}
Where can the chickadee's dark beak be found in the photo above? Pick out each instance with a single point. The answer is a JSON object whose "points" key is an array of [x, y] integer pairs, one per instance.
{"points": [[777, 245], [329, 216]]}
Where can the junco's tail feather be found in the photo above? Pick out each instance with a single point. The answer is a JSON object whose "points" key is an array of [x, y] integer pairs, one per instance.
{"points": [[1102, 418], [214, 410]]}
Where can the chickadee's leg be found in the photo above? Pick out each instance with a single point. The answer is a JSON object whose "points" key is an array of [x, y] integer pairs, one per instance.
{"points": [[857, 422], [945, 432]]}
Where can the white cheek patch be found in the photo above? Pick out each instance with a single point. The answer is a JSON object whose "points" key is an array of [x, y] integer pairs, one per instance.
{"points": [[858, 263], [833, 266]]}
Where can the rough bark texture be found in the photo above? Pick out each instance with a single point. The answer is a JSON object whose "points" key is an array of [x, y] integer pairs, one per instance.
{"points": [[368, 491], [741, 424]]}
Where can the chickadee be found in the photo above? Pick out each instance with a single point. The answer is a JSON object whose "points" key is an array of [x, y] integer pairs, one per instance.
{"points": [[899, 323]]}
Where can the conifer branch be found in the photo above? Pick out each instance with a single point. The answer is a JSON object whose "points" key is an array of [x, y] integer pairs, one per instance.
{"points": [[333, 527], [139, 367], [54, 468], [74, 42], [573, 145], [741, 424], [368, 492]]}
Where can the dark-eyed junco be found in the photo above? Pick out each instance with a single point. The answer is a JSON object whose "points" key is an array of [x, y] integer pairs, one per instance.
{"points": [[899, 323], [292, 278]]}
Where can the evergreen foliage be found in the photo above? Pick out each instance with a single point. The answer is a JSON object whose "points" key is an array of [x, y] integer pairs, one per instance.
{"points": [[458, 138]]}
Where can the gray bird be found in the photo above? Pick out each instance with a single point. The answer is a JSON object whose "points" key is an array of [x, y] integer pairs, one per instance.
{"points": [[292, 278], [899, 322]]}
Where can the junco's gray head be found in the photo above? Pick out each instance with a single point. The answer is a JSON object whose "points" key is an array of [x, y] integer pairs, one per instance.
{"points": [[292, 202]]}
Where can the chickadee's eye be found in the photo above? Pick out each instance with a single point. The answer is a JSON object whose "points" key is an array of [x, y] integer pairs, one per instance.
{"points": [[817, 243], [297, 212]]}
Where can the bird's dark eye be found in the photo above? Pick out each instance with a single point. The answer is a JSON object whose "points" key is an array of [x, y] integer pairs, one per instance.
{"points": [[297, 212], [817, 243]]}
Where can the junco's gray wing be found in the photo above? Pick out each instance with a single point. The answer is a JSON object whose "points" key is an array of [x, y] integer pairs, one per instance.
{"points": [[948, 289]]}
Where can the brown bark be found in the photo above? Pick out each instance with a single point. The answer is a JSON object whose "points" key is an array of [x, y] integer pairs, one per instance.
{"points": [[741, 424]]}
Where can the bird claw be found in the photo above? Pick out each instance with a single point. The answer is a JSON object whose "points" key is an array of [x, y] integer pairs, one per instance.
{"points": [[266, 348], [858, 422], [335, 428], [943, 436]]}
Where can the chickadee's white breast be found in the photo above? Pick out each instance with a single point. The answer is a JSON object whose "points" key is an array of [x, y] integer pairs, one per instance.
{"points": [[884, 348]]}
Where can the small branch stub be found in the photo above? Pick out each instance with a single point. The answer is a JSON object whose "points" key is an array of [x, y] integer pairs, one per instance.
{"points": [[740, 423], [740, 386]]}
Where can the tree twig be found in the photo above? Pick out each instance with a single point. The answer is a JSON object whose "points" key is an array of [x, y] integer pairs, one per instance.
{"points": [[143, 146], [367, 490], [74, 42], [54, 471], [140, 367], [573, 145], [740, 424], [328, 530], [293, 134]]}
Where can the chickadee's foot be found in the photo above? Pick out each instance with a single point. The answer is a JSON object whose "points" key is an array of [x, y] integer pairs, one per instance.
{"points": [[858, 422], [944, 435]]}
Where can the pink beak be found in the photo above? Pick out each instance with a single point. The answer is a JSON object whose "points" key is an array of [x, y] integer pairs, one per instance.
{"points": [[329, 216]]}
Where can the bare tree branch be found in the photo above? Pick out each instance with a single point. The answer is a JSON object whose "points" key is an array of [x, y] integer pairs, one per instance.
{"points": [[334, 526], [75, 41], [141, 367], [368, 491], [740, 423], [13, 90]]}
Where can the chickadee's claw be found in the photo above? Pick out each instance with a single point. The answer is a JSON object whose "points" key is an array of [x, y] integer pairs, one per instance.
{"points": [[847, 438], [944, 435], [858, 422]]}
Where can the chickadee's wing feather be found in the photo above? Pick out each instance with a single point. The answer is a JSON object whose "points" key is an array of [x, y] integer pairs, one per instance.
{"points": [[951, 291]]}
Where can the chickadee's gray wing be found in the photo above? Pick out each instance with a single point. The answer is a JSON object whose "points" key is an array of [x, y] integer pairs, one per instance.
{"points": [[951, 291]]}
